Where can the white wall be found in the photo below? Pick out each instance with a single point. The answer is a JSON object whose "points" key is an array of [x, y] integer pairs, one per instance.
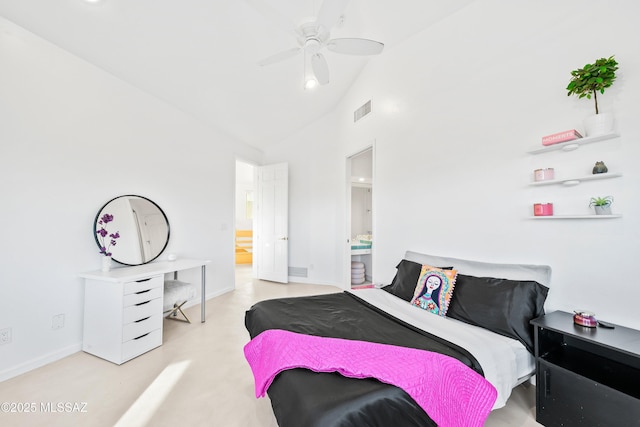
{"points": [[455, 109], [71, 138], [317, 197]]}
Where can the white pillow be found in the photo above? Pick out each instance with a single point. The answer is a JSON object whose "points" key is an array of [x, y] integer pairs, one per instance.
{"points": [[539, 273]]}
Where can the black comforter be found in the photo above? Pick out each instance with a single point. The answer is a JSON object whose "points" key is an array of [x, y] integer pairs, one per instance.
{"points": [[302, 398]]}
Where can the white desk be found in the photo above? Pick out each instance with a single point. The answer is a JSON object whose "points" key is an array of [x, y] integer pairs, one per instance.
{"points": [[123, 308], [128, 274]]}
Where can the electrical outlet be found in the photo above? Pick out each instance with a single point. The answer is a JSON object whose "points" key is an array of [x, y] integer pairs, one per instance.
{"points": [[5, 336], [57, 321]]}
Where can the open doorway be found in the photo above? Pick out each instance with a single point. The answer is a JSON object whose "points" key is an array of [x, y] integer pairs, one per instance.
{"points": [[244, 220], [361, 219]]}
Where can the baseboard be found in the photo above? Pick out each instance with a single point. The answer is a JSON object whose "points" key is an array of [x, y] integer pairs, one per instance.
{"points": [[40, 361], [196, 301], [215, 294]]}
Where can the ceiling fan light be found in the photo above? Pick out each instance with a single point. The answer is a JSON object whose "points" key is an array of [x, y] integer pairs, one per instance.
{"points": [[312, 46], [310, 83]]}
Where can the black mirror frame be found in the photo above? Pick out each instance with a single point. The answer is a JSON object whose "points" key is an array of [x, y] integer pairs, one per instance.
{"points": [[95, 223]]}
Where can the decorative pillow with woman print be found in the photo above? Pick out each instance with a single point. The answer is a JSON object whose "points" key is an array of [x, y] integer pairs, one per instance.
{"points": [[434, 289]]}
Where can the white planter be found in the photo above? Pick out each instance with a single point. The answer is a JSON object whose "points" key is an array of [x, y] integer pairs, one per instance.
{"points": [[603, 210], [598, 124], [106, 263]]}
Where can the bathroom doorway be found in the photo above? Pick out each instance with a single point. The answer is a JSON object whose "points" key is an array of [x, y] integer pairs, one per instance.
{"points": [[361, 219]]}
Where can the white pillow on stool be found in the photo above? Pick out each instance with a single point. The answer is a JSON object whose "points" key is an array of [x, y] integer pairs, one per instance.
{"points": [[176, 291]]}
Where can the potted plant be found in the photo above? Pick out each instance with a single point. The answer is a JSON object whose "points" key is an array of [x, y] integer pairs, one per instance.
{"points": [[587, 82], [602, 205]]}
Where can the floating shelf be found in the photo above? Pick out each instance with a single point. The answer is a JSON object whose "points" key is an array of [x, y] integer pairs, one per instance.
{"points": [[576, 181], [577, 217], [574, 144]]}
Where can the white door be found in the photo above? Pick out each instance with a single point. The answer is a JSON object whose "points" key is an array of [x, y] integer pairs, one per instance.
{"points": [[272, 225]]}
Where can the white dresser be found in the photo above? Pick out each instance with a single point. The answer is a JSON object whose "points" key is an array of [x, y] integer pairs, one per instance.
{"points": [[123, 309]]}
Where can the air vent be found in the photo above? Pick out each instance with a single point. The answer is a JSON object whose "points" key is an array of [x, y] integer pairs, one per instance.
{"points": [[362, 111], [298, 272]]}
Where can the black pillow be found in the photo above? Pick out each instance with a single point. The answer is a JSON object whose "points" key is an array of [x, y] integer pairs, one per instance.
{"points": [[404, 283], [500, 305]]}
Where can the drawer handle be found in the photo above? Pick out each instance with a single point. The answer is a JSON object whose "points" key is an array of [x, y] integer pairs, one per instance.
{"points": [[143, 280], [142, 292], [142, 320], [142, 336], [143, 303], [547, 383]]}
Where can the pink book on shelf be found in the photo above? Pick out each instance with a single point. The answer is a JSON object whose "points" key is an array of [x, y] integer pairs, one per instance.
{"points": [[567, 135]]}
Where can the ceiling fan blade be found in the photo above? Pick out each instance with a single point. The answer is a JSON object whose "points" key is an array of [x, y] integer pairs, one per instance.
{"points": [[320, 68], [354, 46], [329, 13], [280, 56], [274, 16]]}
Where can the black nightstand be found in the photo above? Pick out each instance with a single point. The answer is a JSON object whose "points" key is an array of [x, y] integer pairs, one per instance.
{"points": [[586, 376]]}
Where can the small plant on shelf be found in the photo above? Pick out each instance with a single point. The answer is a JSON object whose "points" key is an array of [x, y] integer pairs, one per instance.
{"points": [[601, 201], [593, 78], [602, 205]]}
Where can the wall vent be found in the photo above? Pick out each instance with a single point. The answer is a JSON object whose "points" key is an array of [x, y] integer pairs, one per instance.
{"points": [[298, 272], [362, 111]]}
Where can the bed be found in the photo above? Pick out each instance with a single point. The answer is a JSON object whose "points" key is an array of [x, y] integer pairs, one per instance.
{"points": [[486, 330]]}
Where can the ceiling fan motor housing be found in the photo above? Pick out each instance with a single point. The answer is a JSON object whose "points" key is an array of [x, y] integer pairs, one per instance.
{"points": [[312, 39]]}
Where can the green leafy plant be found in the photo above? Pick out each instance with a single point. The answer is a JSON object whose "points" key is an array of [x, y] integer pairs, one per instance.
{"points": [[593, 78], [601, 201]]}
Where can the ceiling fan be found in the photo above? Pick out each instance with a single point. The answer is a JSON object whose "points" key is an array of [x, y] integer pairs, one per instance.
{"points": [[313, 37]]}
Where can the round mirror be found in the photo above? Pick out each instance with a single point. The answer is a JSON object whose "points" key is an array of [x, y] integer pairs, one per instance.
{"points": [[133, 229]]}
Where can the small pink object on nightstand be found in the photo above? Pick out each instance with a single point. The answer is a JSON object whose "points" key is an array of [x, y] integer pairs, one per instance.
{"points": [[585, 318]]}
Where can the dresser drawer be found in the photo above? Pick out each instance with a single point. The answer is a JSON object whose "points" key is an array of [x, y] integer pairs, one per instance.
{"points": [[141, 310], [142, 296], [144, 284], [141, 344], [141, 327]]}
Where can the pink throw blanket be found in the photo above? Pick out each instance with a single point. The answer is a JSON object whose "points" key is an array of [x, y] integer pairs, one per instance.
{"points": [[451, 393]]}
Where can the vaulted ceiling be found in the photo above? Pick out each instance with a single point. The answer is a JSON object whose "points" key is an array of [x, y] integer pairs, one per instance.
{"points": [[201, 56]]}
